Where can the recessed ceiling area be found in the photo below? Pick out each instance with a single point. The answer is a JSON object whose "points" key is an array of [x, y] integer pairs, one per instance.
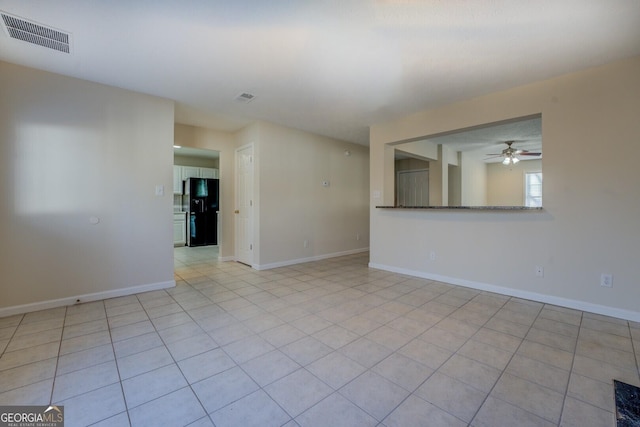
{"points": [[329, 68], [483, 141]]}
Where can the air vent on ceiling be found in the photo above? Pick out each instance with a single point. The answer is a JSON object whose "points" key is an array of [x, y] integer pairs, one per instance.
{"points": [[245, 97], [21, 29]]}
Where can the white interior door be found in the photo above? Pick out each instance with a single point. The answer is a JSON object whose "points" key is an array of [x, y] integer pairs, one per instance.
{"points": [[244, 205]]}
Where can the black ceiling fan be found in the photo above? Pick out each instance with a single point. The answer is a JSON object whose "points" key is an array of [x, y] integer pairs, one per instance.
{"points": [[510, 154]]}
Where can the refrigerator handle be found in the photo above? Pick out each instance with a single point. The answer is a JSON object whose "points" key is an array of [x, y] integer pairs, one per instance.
{"points": [[200, 205]]}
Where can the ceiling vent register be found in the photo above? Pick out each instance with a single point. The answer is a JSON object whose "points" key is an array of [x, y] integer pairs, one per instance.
{"points": [[245, 97], [40, 35]]}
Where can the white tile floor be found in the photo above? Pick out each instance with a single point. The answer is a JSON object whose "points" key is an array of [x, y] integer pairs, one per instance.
{"points": [[327, 343]]}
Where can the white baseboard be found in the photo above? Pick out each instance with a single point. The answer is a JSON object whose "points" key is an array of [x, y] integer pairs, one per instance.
{"points": [[43, 305], [533, 296], [308, 259]]}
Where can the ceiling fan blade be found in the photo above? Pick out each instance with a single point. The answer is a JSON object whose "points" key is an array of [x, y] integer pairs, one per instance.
{"points": [[530, 154], [494, 154]]}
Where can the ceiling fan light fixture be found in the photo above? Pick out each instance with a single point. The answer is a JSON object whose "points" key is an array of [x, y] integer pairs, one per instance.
{"points": [[510, 155], [510, 159]]}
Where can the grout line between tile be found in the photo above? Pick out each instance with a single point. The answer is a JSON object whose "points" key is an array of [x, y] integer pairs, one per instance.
{"points": [[336, 278], [55, 372], [505, 368], [573, 359]]}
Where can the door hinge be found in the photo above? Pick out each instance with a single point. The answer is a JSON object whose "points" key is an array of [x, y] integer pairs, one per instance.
{"points": [[250, 247], [250, 202]]}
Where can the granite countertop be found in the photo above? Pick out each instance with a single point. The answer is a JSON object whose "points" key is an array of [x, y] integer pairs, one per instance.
{"points": [[627, 398], [474, 208]]}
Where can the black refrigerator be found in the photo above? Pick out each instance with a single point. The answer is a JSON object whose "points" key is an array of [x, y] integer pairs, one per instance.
{"points": [[201, 201]]}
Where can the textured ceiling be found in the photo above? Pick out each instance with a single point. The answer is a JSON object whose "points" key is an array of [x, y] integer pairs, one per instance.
{"points": [[483, 141], [330, 67]]}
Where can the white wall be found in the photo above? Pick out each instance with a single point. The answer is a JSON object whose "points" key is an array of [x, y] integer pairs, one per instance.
{"points": [[293, 204], [591, 198], [71, 150]]}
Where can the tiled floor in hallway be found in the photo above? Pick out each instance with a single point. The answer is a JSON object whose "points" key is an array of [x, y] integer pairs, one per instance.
{"points": [[326, 343]]}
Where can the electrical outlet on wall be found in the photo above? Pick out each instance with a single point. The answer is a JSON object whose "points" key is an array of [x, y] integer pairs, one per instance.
{"points": [[539, 271], [432, 255], [606, 280]]}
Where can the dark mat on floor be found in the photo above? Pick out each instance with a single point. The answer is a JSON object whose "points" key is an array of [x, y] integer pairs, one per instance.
{"points": [[627, 404]]}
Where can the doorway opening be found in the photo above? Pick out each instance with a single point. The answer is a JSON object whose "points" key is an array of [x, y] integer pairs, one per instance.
{"points": [[196, 202]]}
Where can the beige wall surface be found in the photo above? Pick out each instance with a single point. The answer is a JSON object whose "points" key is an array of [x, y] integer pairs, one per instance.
{"points": [[473, 182], [80, 164], [411, 164], [505, 184], [294, 205], [195, 161], [589, 222]]}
